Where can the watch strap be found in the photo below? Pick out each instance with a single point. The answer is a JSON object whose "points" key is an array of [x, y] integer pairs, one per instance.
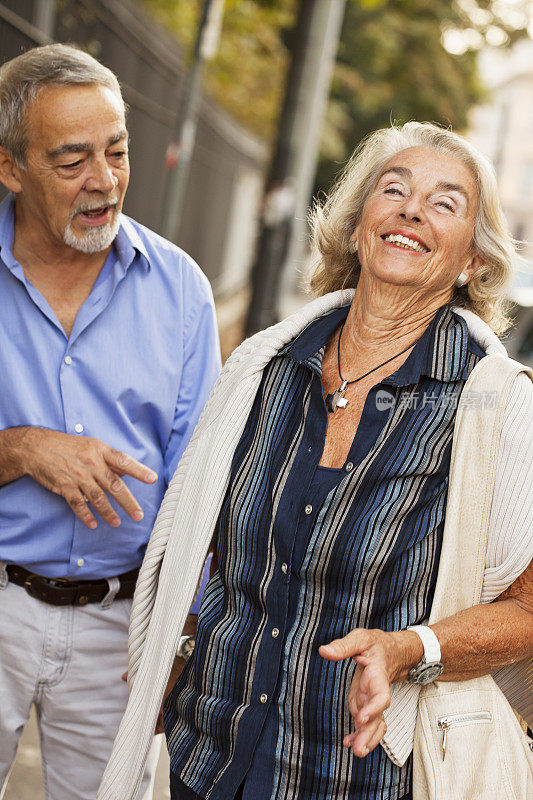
{"points": [[429, 640]]}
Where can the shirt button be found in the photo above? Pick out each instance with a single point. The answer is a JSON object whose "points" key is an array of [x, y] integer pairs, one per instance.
{"points": [[284, 567], [264, 698], [309, 449], [275, 633], [67, 360], [308, 509], [81, 562], [78, 427], [349, 466]]}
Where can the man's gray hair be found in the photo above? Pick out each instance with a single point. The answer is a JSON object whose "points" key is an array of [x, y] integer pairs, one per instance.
{"points": [[22, 78]]}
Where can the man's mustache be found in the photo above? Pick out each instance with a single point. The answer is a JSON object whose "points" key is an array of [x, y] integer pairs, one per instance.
{"points": [[110, 200]]}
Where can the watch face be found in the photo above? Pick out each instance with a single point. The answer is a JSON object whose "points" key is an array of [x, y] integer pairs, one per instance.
{"points": [[188, 647], [427, 673]]}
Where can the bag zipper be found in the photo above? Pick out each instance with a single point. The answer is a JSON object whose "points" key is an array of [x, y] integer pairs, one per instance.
{"points": [[444, 723]]}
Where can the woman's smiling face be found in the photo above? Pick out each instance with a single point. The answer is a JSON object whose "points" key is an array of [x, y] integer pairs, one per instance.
{"points": [[417, 224]]}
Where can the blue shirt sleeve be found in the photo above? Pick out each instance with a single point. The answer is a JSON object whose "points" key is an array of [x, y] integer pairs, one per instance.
{"points": [[201, 367]]}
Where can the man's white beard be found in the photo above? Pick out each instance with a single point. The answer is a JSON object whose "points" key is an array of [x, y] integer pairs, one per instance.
{"points": [[93, 240]]}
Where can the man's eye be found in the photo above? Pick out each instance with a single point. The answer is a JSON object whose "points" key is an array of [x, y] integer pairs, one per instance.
{"points": [[119, 154], [72, 165]]}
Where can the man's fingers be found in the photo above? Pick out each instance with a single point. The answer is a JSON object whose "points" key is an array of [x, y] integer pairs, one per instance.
{"points": [[116, 487], [78, 504], [123, 464], [98, 499], [159, 725]]}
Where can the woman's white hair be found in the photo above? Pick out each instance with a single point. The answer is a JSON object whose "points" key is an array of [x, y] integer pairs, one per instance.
{"points": [[22, 78], [333, 222]]}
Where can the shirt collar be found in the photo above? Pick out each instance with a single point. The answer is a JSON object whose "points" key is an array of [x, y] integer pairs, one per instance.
{"points": [[128, 241], [442, 352], [126, 245]]}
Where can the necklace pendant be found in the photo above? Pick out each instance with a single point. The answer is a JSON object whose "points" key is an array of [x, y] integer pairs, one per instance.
{"points": [[336, 400]]}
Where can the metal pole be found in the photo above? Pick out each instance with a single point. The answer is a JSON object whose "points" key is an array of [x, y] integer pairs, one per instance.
{"points": [[289, 185], [180, 150], [44, 14]]}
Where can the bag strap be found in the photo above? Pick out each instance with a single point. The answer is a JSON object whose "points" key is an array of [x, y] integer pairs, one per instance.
{"points": [[475, 449]]}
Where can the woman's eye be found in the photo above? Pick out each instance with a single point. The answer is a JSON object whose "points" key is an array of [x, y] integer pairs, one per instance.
{"points": [[446, 205], [393, 190]]}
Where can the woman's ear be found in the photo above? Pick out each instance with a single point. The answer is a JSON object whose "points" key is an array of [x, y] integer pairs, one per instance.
{"points": [[472, 266], [9, 172]]}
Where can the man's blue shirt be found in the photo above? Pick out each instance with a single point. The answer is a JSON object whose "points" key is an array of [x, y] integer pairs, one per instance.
{"points": [[135, 372]]}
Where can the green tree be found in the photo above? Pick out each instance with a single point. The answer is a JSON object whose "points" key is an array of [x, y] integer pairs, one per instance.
{"points": [[397, 60], [247, 76], [394, 64]]}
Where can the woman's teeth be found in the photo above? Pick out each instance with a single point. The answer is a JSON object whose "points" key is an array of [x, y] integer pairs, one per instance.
{"points": [[403, 241]]}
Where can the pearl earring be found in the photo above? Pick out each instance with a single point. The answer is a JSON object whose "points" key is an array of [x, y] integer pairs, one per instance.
{"points": [[461, 280], [352, 247]]}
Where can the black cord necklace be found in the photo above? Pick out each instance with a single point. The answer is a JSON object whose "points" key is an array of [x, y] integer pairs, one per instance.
{"points": [[336, 400]]}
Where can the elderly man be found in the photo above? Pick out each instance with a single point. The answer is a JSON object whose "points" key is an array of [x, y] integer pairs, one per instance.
{"points": [[109, 351]]}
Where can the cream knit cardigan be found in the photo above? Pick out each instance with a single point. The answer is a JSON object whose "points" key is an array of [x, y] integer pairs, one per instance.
{"points": [[184, 526]]}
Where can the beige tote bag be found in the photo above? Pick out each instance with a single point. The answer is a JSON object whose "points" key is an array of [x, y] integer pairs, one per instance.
{"points": [[469, 744]]}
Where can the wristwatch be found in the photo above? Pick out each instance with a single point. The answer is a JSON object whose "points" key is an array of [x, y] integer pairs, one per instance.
{"points": [[185, 647], [431, 666]]}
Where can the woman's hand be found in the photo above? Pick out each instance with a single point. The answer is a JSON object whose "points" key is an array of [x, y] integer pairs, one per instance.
{"points": [[382, 658]]}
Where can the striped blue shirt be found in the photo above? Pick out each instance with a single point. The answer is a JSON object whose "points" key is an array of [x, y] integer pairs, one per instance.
{"points": [[306, 555]]}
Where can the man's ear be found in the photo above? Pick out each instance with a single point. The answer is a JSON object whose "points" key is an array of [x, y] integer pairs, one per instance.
{"points": [[9, 172]]}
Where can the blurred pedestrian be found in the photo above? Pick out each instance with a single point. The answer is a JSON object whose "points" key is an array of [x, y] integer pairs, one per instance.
{"points": [[109, 351]]}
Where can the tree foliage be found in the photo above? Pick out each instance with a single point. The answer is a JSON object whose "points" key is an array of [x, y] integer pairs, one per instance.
{"points": [[394, 64], [248, 74], [397, 60]]}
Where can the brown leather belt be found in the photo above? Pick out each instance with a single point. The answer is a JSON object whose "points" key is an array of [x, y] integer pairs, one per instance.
{"points": [[64, 592]]}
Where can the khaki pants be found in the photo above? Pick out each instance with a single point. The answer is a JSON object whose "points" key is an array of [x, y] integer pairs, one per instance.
{"points": [[68, 661]]}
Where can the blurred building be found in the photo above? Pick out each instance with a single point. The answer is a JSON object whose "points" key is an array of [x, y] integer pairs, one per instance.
{"points": [[502, 130], [225, 187]]}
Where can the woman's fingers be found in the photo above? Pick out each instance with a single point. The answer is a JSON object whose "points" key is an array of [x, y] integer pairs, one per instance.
{"points": [[363, 740], [350, 646]]}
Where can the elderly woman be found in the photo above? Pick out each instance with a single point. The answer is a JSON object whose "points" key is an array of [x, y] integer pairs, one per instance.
{"points": [[321, 463]]}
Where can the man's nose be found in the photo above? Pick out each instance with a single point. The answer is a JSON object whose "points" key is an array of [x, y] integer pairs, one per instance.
{"points": [[101, 177]]}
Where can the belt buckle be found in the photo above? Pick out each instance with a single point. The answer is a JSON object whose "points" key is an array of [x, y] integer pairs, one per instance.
{"points": [[28, 584], [29, 587]]}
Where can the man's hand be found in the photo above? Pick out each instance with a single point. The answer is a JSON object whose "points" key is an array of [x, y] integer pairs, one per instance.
{"points": [[83, 470], [177, 668], [382, 658]]}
